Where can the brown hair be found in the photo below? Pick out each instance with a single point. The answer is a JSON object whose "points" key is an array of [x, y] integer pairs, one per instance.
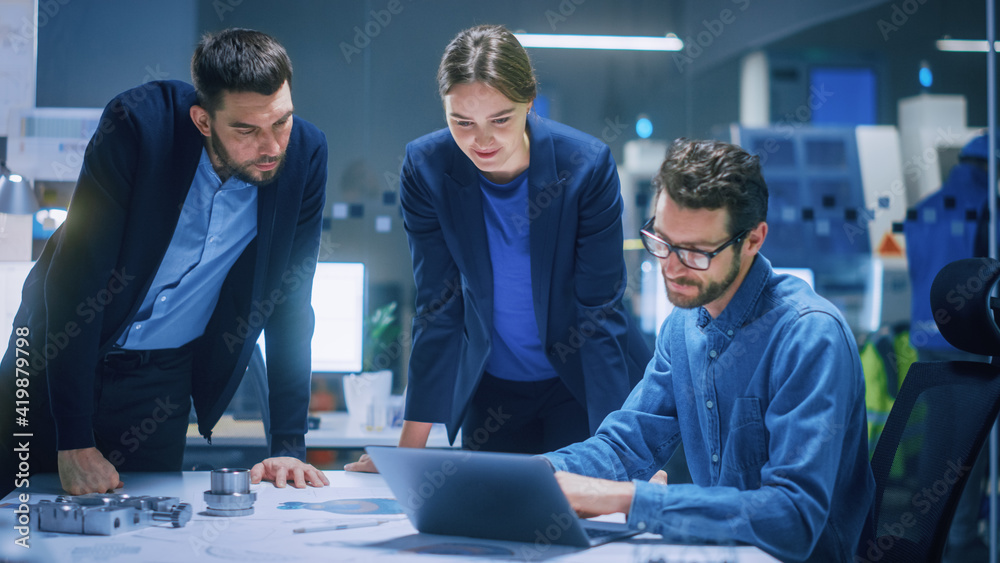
{"points": [[238, 60], [712, 175], [491, 55]]}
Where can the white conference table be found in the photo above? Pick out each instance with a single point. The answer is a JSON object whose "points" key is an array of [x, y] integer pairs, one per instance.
{"points": [[267, 535]]}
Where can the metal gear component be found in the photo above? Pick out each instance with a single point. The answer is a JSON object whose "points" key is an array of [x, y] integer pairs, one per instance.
{"points": [[178, 515], [107, 514], [230, 494]]}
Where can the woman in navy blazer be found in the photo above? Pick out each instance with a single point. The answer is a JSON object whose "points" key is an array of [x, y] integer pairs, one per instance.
{"points": [[520, 337]]}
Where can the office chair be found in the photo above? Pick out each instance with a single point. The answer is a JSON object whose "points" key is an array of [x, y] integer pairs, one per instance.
{"points": [[937, 426]]}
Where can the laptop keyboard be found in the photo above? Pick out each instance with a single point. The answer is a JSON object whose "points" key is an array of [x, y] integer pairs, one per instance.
{"points": [[596, 533]]}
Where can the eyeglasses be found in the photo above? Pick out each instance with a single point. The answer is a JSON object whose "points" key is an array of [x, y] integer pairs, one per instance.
{"points": [[694, 259]]}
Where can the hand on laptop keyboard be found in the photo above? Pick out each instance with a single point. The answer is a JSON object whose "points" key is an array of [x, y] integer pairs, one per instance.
{"points": [[593, 497]]}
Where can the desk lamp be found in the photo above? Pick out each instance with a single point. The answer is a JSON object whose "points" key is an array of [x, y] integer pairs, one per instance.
{"points": [[18, 204]]}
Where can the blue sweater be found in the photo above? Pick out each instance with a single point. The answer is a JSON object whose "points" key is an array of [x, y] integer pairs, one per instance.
{"points": [[517, 353]]}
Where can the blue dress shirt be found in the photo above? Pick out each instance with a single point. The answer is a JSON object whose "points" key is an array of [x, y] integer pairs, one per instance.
{"points": [[517, 352], [217, 222], [768, 400]]}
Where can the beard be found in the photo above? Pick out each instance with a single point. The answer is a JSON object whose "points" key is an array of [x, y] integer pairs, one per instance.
{"points": [[245, 172], [708, 293]]}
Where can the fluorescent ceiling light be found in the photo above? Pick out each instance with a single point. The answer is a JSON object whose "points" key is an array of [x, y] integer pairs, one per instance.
{"points": [[608, 42], [965, 45]]}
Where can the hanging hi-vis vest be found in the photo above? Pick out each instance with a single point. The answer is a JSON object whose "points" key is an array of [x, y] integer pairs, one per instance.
{"points": [[886, 356]]}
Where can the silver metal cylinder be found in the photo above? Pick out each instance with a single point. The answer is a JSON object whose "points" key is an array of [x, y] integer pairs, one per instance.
{"points": [[228, 480], [230, 494]]}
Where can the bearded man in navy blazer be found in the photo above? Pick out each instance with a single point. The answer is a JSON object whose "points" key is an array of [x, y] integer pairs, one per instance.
{"points": [[194, 226]]}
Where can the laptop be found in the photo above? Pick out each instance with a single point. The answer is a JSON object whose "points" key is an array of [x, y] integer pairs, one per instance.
{"points": [[487, 495]]}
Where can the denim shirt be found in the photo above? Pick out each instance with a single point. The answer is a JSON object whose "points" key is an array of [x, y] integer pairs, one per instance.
{"points": [[768, 400]]}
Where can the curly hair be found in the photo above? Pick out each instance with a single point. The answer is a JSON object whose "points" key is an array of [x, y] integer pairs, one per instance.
{"points": [[709, 174]]}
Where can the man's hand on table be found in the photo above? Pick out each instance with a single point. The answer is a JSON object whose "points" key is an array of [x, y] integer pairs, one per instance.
{"points": [[86, 471], [280, 469]]}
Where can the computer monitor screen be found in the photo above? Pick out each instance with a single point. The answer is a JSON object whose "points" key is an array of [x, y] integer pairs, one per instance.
{"points": [[338, 301]]}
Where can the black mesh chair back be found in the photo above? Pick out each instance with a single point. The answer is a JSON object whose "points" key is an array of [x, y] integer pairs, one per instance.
{"points": [[941, 418]]}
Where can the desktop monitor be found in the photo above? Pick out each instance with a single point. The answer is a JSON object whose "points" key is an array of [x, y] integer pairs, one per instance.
{"points": [[338, 301]]}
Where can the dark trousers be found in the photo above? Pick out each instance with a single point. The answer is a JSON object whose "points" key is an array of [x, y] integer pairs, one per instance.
{"points": [[142, 402], [530, 417], [141, 405]]}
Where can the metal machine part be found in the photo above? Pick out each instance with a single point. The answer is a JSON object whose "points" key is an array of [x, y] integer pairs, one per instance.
{"points": [[107, 514], [230, 494]]}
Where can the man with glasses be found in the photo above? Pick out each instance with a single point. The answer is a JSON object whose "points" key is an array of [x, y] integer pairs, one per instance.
{"points": [[757, 375]]}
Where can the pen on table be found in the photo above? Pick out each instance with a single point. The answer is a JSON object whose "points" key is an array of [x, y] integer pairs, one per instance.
{"points": [[344, 526]]}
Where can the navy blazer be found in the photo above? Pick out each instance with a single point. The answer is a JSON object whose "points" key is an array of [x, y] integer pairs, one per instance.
{"points": [[95, 271], [578, 274]]}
